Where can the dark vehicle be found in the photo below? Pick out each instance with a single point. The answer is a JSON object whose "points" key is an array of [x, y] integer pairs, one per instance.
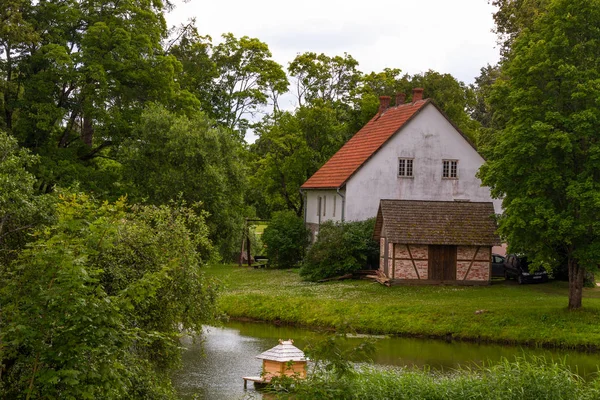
{"points": [[498, 265], [518, 268]]}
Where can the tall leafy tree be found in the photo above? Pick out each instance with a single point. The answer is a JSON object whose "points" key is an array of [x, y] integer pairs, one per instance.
{"points": [[22, 210], [176, 156], [546, 162], [514, 16], [77, 75], [321, 77], [247, 79]]}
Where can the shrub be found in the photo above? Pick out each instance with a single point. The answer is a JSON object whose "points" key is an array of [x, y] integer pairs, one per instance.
{"points": [[340, 249], [95, 307], [286, 239]]}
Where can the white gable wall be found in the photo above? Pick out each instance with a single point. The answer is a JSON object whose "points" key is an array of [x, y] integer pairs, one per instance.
{"points": [[429, 138], [328, 198]]}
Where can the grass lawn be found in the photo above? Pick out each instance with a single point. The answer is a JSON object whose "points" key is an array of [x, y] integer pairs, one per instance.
{"points": [[527, 314]]}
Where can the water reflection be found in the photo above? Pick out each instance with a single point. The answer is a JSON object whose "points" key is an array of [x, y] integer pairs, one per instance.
{"points": [[213, 370]]}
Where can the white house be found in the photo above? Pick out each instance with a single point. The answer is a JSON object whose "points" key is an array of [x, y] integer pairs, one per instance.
{"points": [[411, 151]]}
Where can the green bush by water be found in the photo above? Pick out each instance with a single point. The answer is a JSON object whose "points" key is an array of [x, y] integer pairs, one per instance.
{"points": [[521, 379]]}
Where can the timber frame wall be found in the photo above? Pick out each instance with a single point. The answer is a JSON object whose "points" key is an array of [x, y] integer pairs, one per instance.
{"points": [[409, 264]]}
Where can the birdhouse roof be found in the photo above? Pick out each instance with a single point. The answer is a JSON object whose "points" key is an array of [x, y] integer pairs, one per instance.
{"points": [[285, 351]]}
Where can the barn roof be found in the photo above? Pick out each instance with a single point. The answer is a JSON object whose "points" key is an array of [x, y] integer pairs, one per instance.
{"points": [[285, 351], [343, 164], [437, 222]]}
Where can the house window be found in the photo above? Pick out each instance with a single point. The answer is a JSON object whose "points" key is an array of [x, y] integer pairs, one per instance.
{"points": [[450, 169], [319, 206], [324, 205], [405, 167]]}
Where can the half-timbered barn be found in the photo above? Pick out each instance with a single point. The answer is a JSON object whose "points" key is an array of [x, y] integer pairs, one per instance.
{"points": [[436, 242]]}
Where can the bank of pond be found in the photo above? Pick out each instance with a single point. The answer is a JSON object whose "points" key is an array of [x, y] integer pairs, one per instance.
{"points": [[410, 368]]}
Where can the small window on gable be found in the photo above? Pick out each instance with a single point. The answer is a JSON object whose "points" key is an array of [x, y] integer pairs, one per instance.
{"points": [[324, 205], [405, 167], [450, 169]]}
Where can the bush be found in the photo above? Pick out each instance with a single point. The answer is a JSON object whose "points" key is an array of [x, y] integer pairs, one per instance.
{"points": [[95, 307], [286, 239], [340, 249]]}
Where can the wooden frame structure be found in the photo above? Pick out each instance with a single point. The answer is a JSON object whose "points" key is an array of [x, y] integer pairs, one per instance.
{"points": [[434, 242], [245, 247]]}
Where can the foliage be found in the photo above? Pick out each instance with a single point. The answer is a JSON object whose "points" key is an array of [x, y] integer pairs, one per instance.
{"points": [[536, 316], [290, 149], [21, 210], [186, 157], [286, 239], [332, 360], [78, 76], [325, 78], [234, 80], [247, 76], [340, 249], [284, 161], [94, 308], [522, 379], [513, 17], [545, 162]]}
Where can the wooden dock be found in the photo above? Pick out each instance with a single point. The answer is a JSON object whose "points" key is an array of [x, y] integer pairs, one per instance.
{"points": [[256, 379]]}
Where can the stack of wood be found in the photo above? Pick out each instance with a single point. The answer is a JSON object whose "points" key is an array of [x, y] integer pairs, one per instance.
{"points": [[381, 278]]}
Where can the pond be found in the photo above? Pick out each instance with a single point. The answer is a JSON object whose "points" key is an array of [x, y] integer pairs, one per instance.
{"points": [[213, 369]]}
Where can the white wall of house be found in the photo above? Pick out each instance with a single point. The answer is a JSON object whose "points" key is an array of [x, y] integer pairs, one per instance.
{"points": [[428, 139], [331, 206]]}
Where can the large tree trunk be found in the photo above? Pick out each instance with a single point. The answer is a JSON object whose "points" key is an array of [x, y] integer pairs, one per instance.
{"points": [[576, 274]]}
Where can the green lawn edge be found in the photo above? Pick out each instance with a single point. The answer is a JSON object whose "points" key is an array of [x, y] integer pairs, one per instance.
{"points": [[504, 312]]}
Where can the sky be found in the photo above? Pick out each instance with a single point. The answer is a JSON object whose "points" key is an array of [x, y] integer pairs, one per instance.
{"points": [[447, 36]]}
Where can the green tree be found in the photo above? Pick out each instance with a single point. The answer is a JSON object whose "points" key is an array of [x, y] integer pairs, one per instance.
{"points": [[21, 209], [76, 76], [95, 307], [247, 78], [286, 239], [187, 157], [545, 163], [330, 79], [513, 17], [290, 148]]}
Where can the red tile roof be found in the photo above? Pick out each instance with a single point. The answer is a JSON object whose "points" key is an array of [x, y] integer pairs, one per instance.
{"points": [[339, 168]]}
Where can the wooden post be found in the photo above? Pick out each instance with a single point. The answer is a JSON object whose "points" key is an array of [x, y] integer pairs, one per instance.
{"points": [[241, 260], [248, 244]]}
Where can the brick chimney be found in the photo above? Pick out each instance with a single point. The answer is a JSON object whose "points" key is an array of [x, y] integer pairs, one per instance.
{"points": [[384, 103], [400, 98], [417, 94]]}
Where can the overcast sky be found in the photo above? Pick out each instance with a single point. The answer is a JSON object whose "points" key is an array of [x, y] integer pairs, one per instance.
{"points": [[452, 36], [448, 36]]}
